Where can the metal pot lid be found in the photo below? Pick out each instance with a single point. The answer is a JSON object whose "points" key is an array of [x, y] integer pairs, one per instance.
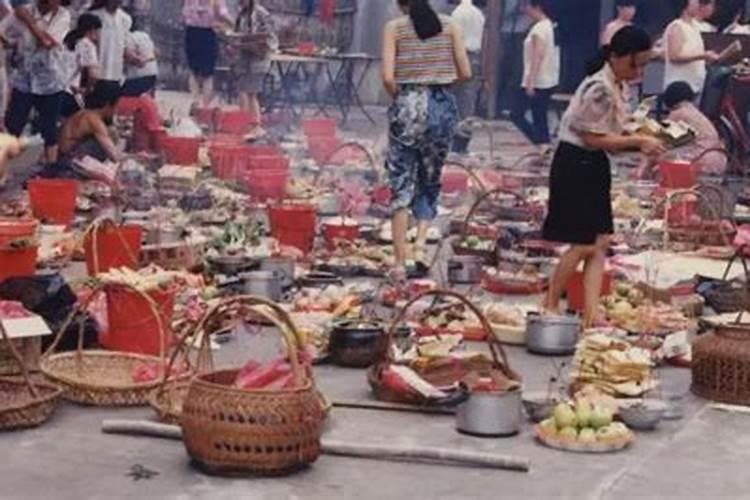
{"points": [[553, 319], [259, 275], [356, 324]]}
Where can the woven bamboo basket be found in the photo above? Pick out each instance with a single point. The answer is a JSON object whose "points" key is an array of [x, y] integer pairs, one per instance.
{"points": [[232, 431], [721, 364], [25, 404], [709, 232], [101, 378], [731, 295], [444, 375]]}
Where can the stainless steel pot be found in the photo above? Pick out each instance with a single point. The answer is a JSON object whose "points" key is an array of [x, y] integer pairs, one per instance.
{"points": [[284, 267], [552, 334], [465, 269], [490, 414], [328, 204], [266, 284]]}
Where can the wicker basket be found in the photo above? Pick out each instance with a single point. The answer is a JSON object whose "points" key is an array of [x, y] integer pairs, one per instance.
{"points": [[706, 233], [721, 364], [25, 404], [101, 378], [439, 375], [730, 295], [227, 430], [173, 256]]}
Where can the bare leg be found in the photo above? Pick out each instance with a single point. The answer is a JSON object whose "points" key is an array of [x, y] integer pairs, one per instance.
{"points": [[195, 87], [50, 155], [422, 227], [593, 276], [565, 269], [208, 91], [400, 226], [244, 99]]}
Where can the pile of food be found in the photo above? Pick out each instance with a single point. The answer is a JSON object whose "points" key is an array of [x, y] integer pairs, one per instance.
{"points": [[629, 309], [583, 427], [612, 366], [338, 300], [449, 319]]}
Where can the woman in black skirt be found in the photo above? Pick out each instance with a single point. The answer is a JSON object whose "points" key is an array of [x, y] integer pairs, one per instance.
{"points": [[580, 207]]}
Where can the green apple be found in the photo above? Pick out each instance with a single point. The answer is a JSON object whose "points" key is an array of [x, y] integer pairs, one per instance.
{"points": [[583, 413], [601, 416], [587, 435], [564, 416], [569, 433]]}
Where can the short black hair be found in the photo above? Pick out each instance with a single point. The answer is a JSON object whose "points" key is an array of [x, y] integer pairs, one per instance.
{"points": [[677, 93], [680, 5], [102, 96], [626, 3]]}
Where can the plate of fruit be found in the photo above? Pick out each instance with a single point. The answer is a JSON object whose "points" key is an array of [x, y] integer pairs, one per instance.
{"points": [[583, 428]]}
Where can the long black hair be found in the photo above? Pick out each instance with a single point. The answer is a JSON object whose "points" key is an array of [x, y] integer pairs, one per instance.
{"points": [[86, 23], [424, 18], [628, 41]]}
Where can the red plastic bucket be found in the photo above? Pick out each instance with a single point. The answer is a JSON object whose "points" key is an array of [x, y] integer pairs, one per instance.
{"points": [[677, 175], [265, 185], [317, 127], [321, 148], [228, 161], [17, 229], [181, 150], [575, 290], [206, 116], [53, 200], [133, 327], [306, 48], [294, 225], [264, 150], [267, 163], [17, 262], [116, 246], [681, 211], [335, 232], [454, 181], [236, 122]]}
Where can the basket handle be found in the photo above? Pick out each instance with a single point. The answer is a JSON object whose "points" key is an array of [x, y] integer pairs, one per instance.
{"points": [[472, 173], [708, 151], [83, 305], [739, 254], [482, 198], [349, 144], [685, 192], [19, 360], [93, 230], [280, 319], [499, 357]]}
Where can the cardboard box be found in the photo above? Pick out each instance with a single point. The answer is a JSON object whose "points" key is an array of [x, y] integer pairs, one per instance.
{"points": [[26, 335]]}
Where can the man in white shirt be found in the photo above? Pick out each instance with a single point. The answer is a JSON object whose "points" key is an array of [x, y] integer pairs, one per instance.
{"points": [[471, 20], [116, 24]]}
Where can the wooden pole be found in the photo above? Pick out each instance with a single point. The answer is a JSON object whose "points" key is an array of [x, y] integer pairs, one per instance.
{"points": [[491, 54]]}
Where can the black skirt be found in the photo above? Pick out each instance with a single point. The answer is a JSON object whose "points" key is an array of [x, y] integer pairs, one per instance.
{"points": [[202, 50], [580, 205]]}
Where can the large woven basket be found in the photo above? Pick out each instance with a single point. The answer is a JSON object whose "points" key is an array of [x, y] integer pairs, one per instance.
{"points": [[25, 404], [228, 430], [440, 375], [731, 295], [721, 364], [101, 378]]}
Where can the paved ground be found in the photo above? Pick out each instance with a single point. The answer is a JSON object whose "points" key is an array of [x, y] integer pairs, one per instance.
{"points": [[704, 455]]}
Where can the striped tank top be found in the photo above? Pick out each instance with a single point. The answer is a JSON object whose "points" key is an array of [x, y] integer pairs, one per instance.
{"points": [[424, 62]]}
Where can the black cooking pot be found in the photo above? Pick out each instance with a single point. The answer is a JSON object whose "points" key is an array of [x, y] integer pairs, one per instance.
{"points": [[357, 343]]}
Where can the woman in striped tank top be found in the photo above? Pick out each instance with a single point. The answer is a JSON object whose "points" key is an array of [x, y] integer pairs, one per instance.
{"points": [[423, 55]]}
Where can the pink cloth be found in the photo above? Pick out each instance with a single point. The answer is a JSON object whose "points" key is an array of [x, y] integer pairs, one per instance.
{"points": [[707, 138], [204, 13]]}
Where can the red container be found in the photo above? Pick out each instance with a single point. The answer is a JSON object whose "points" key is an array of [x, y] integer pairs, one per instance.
{"points": [[306, 48], [575, 290], [53, 200], [236, 122], [229, 162], [17, 229], [381, 195], [677, 175], [266, 163], [321, 148], [681, 211], [116, 246], [127, 106], [225, 140], [267, 185], [133, 326], [181, 150], [206, 116], [264, 150], [317, 127], [335, 232], [454, 181], [17, 262], [294, 225]]}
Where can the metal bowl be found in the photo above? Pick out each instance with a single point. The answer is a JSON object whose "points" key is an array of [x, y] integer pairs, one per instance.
{"points": [[644, 415], [539, 405]]}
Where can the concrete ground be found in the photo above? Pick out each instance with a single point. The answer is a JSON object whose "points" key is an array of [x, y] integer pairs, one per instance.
{"points": [[703, 455]]}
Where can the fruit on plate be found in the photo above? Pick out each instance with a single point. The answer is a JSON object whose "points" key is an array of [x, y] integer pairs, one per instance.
{"points": [[583, 423], [565, 416], [583, 412], [569, 433], [587, 435], [601, 416]]}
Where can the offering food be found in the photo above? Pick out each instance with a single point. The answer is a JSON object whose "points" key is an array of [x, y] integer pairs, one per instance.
{"points": [[335, 299], [583, 427], [628, 308], [449, 319]]}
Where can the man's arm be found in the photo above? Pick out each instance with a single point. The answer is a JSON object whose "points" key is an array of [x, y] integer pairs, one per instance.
{"points": [[101, 134], [21, 10]]}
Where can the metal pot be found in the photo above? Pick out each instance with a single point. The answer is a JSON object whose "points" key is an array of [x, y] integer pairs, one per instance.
{"points": [[266, 284], [552, 334], [319, 279], [284, 266], [356, 343], [490, 414], [328, 204], [465, 269]]}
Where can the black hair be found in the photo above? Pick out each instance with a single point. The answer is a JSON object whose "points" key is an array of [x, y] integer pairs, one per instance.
{"points": [[542, 5], [424, 18], [626, 3], [630, 40], [680, 6], [677, 93], [86, 23], [726, 13], [101, 97]]}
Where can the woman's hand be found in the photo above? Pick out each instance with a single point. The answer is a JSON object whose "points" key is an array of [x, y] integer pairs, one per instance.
{"points": [[530, 91], [651, 146]]}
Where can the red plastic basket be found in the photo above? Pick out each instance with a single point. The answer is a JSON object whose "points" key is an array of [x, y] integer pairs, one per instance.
{"points": [[111, 250], [53, 200], [335, 232], [265, 163], [320, 148], [17, 262], [17, 229], [454, 181], [236, 122], [677, 175], [316, 127], [181, 150], [294, 225], [206, 116], [575, 290], [133, 326], [229, 161], [267, 185]]}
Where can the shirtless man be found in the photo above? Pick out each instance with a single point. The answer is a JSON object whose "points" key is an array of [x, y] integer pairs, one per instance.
{"points": [[86, 134]]}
